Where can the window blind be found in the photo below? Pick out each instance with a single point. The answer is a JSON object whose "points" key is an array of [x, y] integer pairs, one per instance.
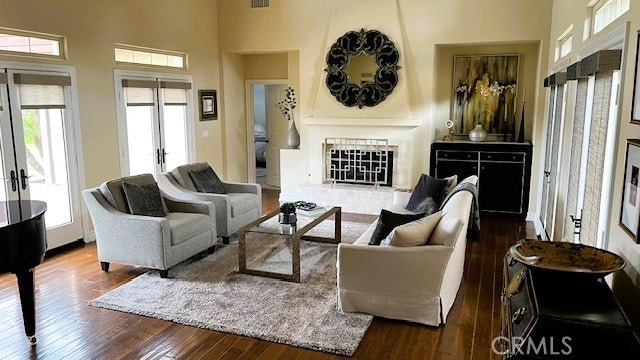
{"points": [[575, 158], [595, 158], [175, 92], [41, 91], [139, 92]]}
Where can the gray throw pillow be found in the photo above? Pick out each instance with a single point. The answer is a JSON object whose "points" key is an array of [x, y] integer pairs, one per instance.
{"points": [[144, 199], [206, 181]]}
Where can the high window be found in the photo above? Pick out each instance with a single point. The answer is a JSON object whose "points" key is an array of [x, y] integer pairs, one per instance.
{"points": [[18, 42], [145, 56], [564, 43], [604, 12]]}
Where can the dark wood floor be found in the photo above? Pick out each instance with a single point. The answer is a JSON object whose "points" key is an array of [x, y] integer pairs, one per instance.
{"points": [[68, 328]]}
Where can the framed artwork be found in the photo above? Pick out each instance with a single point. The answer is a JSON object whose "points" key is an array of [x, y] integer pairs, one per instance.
{"points": [[484, 92], [630, 207], [635, 104], [208, 105]]}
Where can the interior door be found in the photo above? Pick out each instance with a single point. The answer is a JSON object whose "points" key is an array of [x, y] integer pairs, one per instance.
{"points": [[39, 161], [277, 128]]}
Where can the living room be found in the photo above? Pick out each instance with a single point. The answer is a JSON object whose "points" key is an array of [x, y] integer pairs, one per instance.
{"points": [[226, 45]]}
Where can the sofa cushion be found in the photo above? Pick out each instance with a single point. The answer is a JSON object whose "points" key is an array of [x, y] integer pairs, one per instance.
{"points": [[427, 194], [447, 231], [387, 222], [181, 174], [113, 192], [242, 202], [207, 181], [144, 199], [187, 225], [415, 233]]}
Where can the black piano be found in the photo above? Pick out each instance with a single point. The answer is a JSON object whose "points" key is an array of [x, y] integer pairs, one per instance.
{"points": [[23, 242]]}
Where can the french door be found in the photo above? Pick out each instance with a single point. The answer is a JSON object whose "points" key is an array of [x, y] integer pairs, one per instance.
{"points": [[38, 156], [155, 123]]}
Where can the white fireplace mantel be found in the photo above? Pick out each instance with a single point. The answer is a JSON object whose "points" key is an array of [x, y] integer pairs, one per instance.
{"points": [[404, 122]]}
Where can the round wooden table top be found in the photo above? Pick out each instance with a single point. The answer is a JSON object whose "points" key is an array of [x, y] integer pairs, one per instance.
{"points": [[567, 257]]}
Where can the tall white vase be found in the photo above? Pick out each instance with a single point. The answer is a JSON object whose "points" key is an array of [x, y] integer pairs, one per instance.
{"points": [[293, 138]]}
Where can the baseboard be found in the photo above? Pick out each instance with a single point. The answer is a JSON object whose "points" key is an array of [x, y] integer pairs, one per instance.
{"points": [[533, 217]]}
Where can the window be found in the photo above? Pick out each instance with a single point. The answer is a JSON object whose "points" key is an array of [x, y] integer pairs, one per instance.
{"points": [[155, 121], [18, 42], [564, 43], [144, 56], [604, 12]]}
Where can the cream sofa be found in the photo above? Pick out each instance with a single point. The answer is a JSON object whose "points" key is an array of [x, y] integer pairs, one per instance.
{"points": [[417, 284]]}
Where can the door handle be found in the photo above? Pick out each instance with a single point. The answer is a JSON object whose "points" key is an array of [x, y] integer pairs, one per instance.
{"points": [[164, 155], [14, 181], [23, 179], [158, 155], [577, 223]]}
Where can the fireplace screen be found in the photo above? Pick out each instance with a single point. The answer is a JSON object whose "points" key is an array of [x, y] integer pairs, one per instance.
{"points": [[359, 161]]}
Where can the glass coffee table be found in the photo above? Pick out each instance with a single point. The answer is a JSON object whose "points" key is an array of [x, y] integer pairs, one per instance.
{"points": [[293, 234]]}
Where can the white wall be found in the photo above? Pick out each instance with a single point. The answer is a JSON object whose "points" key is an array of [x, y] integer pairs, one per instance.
{"points": [[416, 27], [259, 116]]}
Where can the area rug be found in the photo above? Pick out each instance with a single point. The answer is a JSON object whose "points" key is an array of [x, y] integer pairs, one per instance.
{"points": [[209, 293]]}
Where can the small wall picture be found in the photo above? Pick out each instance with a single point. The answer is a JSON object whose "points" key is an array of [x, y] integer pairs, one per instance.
{"points": [[630, 211], [208, 105]]}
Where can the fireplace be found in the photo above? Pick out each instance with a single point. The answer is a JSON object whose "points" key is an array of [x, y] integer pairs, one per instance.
{"points": [[359, 161]]}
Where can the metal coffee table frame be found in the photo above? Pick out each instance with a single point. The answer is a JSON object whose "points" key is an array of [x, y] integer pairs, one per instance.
{"points": [[295, 238]]}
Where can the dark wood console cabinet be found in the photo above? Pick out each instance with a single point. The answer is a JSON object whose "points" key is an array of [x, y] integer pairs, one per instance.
{"points": [[554, 315], [503, 170]]}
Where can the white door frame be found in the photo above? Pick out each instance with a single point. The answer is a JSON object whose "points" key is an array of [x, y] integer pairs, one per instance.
{"points": [[251, 147], [76, 164], [118, 75]]}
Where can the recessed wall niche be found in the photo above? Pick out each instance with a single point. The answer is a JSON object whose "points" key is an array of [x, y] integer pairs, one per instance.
{"points": [[527, 77]]}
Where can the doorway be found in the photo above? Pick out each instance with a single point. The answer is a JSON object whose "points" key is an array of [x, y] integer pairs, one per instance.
{"points": [[38, 147], [155, 122], [269, 133]]}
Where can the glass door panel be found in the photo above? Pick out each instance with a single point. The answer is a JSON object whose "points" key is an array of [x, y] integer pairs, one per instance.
{"points": [[7, 163], [140, 140], [47, 167], [175, 135]]}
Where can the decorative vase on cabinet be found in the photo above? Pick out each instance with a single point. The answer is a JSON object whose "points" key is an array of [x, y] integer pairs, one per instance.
{"points": [[478, 134]]}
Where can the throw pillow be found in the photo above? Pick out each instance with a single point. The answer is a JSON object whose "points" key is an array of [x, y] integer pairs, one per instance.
{"points": [[427, 187], [144, 199], [387, 222], [415, 233], [206, 181], [452, 181]]}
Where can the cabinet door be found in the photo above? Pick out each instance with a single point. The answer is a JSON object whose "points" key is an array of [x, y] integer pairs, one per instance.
{"points": [[461, 168], [500, 187]]}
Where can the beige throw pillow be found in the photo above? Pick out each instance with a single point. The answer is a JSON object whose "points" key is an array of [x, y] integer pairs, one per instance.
{"points": [[415, 233]]}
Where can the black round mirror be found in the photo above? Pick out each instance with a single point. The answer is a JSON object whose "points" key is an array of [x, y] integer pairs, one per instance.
{"points": [[362, 68]]}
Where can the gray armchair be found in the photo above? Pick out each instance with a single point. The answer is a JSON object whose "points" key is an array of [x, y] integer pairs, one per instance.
{"points": [[241, 204], [147, 241]]}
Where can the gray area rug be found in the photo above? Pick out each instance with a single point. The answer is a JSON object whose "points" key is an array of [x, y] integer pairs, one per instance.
{"points": [[209, 293]]}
